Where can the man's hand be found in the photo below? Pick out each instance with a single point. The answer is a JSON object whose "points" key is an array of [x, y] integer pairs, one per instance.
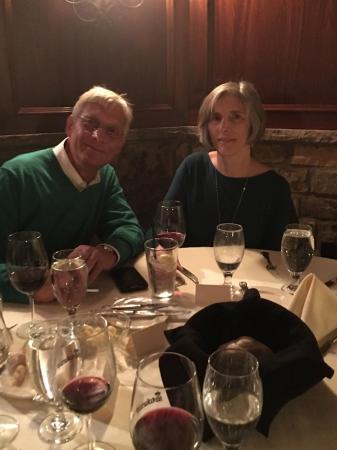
{"points": [[97, 259]]}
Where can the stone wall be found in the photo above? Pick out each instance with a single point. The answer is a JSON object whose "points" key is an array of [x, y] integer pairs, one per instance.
{"points": [[307, 159]]}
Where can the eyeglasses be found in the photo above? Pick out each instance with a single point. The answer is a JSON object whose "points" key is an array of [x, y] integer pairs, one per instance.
{"points": [[91, 125]]}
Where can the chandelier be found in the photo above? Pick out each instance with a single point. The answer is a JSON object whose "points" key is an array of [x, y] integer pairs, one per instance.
{"points": [[93, 10]]}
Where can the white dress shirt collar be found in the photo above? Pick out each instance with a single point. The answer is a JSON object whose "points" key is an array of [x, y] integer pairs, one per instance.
{"points": [[69, 170]]}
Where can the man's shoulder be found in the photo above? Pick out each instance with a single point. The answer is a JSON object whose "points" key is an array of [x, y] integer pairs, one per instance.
{"points": [[29, 160]]}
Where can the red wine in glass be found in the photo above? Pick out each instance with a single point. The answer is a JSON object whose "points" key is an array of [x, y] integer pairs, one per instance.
{"points": [[28, 279], [86, 394], [85, 368], [168, 428], [170, 221], [166, 411], [27, 266], [176, 235]]}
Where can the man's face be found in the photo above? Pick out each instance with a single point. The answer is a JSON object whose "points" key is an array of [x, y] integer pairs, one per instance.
{"points": [[95, 136]]}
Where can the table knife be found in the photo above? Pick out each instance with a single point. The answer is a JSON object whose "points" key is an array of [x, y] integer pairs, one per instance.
{"points": [[188, 274]]}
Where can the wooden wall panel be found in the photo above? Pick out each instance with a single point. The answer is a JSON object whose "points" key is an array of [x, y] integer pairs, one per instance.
{"points": [[166, 55], [52, 57], [287, 49]]}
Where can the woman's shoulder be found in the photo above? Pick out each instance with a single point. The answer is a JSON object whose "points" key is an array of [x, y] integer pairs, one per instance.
{"points": [[270, 179], [196, 161], [197, 157]]}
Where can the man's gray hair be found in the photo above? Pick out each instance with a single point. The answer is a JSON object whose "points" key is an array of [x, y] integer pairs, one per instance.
{"points": [[107, 99]]}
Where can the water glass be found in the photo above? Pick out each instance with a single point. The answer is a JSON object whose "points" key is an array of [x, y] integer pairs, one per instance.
{"points": [[229, 247], [161, 258], [232, 395], [59, 426], [297, 249]]}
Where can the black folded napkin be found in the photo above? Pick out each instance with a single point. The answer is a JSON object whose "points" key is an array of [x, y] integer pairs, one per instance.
{"points": [[295, 365]]}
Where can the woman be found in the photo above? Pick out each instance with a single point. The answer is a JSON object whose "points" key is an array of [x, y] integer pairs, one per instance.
{"points": [[226, 184]]}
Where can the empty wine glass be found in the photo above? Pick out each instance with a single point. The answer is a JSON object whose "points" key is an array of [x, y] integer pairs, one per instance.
{"points": [[85, 369], [166, 411], [297, 249], [229, 247], [59, 426], [69, 276], [169, 221], [9, 427], [232, 395], [27, 266]]}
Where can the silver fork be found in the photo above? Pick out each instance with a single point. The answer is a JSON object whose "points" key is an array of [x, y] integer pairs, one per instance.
{"points": [[270, 265]]}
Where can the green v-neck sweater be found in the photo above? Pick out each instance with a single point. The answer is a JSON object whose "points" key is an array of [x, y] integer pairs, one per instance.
{"points": [[35, 194]]}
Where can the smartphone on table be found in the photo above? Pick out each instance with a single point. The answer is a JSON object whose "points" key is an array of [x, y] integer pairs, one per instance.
{"points": [[128, 279]]}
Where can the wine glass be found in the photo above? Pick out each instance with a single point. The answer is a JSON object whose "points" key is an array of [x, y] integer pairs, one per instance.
{"points": [[59, 426], [9, 427], [232, 395], [169, 221], [69, 276], [297, 249], [27, 266], [166, 411], [85, 370], [229, 247]]}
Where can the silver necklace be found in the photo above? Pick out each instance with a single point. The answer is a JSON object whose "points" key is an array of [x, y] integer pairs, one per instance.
{"points": [[218, 201]]}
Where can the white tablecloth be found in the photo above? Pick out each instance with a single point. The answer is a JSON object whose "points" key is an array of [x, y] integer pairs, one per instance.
{"points": [[306, 423]]}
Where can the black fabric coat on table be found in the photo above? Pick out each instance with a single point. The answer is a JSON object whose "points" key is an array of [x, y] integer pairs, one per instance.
{"points": [[295, 365]]}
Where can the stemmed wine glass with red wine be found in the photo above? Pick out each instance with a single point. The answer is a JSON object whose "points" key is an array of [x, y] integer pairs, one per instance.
{"points": [[27, 266], [166, 410], [169, 221], [85, 369]]}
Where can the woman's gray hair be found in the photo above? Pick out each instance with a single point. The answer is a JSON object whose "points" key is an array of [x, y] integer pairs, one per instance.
{"points": [[244, 91], [107, 99]]}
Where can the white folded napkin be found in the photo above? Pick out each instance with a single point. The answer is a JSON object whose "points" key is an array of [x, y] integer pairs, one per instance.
{"points": [[206, 294], [316, 305]]}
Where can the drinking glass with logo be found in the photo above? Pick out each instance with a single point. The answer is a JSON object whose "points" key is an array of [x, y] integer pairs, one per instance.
{"points": [[69, 275], [161, 257], [9, 427], [297, 249], [60, 426], [85, 370], [166, 411], [232, 395], [27, 266], [229, 247]]}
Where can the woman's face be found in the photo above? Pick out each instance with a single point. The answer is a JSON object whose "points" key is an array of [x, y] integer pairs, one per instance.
{"points": [[228, 127]]}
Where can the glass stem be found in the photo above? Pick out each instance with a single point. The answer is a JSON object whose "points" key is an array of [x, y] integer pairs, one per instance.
{"points": [[32, 306], [228, 279], [91, 437], [295, 280], [59, 421]]}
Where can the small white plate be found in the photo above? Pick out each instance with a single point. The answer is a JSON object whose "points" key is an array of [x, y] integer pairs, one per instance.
{"points": [[8, 389]]}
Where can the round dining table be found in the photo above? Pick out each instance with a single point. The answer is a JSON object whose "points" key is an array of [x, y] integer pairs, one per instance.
{"points": [[308, 422]]}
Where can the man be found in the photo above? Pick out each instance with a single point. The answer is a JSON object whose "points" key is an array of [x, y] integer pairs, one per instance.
{"points": [[71, 194]]}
